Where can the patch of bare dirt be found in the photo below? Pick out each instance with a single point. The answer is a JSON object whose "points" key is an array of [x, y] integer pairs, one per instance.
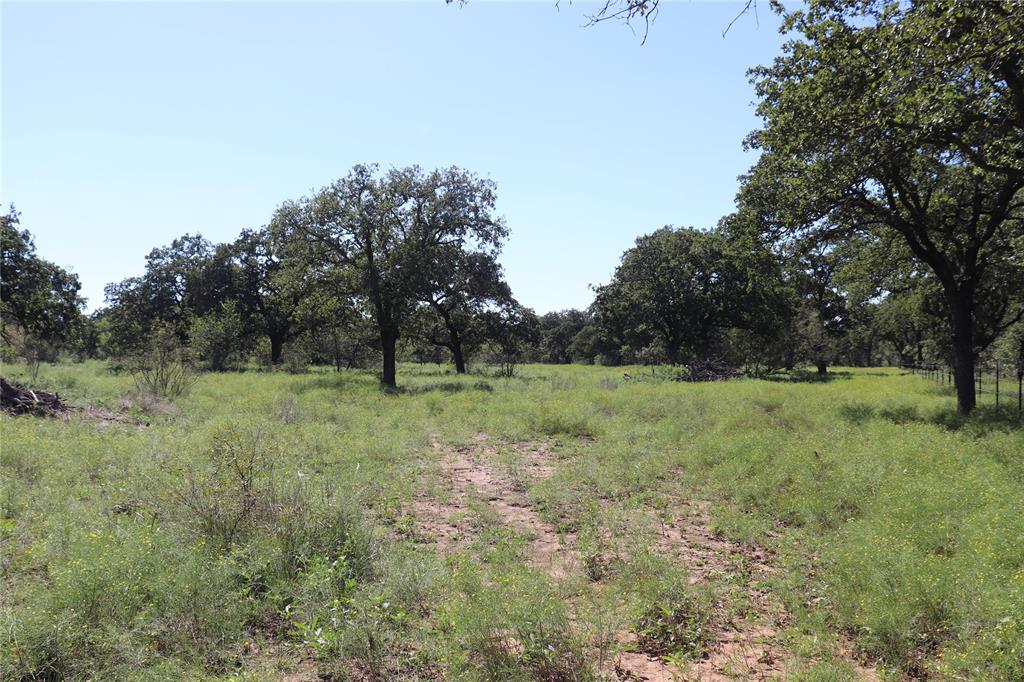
{"points": [[104, 417], [746, 648], [467, 473], [742, 648], [277, 661]]}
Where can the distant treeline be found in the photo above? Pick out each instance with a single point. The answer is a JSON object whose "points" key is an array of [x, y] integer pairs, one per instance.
{"points": [[882, 222], [302, 291]]}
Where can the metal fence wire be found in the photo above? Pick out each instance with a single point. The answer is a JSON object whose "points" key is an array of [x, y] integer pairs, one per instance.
{"points": [[992, 378]]}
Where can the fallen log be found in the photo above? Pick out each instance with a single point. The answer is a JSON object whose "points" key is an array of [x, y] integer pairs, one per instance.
{"points": [[16, 399], [707, 370]]}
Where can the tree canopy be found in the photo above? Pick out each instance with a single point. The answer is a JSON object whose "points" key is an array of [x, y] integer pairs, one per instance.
{"points": [[37, 297], [401, 237], [902, 119]]}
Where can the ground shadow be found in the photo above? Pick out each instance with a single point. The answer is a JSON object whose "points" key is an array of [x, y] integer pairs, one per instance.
{"points": [[803, 376], [333, 381], [985, 418], [439, 387]]}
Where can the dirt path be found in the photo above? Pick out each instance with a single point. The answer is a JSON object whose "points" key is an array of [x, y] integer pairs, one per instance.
{"points": [[467, 474], [742, 648]]}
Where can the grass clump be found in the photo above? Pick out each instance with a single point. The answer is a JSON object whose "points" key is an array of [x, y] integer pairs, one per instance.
{"points": [[673, 618], [511, 625], [123, 597]]}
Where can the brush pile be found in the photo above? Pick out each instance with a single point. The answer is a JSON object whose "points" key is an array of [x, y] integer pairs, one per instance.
{"points": [[16, 399], [707, 370]]}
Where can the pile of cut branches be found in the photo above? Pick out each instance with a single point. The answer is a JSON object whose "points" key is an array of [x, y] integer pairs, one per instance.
{"points": [[16, 399], [707, 370]]}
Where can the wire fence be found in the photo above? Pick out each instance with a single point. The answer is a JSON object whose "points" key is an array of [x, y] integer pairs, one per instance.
{"points": [[1005, 385]]}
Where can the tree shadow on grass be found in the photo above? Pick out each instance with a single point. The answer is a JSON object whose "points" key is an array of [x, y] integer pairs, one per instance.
{"points": [[439, 387], [803, 376], [984, 420], [334, 381]]}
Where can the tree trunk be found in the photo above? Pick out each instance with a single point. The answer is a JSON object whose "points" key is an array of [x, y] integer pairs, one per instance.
{"points": [[963, 352], [822, 366], [457, 356], [337, 351], [276, 347], [456, 341], [388, 340]]}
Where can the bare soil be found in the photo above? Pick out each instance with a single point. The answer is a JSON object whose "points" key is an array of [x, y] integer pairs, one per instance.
{"points": [[467, 474]]}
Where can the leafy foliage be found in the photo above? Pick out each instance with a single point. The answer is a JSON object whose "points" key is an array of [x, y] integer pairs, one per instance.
{"points": [[216, 337], [39, 302], [395, 240], [163, 367], [901, 120]]}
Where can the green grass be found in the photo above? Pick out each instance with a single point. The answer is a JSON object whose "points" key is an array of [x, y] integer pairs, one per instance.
{"points": [[146, 554]]}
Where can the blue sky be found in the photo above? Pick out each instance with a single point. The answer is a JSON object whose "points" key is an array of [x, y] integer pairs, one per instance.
{"points": [[125, 125]]}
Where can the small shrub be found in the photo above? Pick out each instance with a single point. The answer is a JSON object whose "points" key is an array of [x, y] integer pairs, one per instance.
{"points": [[673, 619], [216, 336], [289, 411], [241, 495], [35, 351], [295, 358], [594, 554], [260, 354], [164, 368], [511, 626], [652, 354], [236, 493]]}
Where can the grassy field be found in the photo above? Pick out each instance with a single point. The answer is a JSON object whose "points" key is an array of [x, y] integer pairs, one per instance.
{"points": [[566, 524]]}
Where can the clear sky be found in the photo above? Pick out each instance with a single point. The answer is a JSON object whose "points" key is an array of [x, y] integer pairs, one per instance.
{"points": [[125, 125]]}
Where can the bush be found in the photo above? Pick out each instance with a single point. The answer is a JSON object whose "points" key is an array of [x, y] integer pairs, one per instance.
{"points": [[295, 357], [125, 597], [239, 494], [33, 350], [164, 368], [216, 337]]}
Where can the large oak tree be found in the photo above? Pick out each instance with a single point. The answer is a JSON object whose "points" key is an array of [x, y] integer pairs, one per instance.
{"points": [[391, 234], [903, 119]]}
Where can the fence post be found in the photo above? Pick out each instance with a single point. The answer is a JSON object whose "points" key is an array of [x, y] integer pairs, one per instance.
{"points": [[1020, 395], [997, 387]]}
